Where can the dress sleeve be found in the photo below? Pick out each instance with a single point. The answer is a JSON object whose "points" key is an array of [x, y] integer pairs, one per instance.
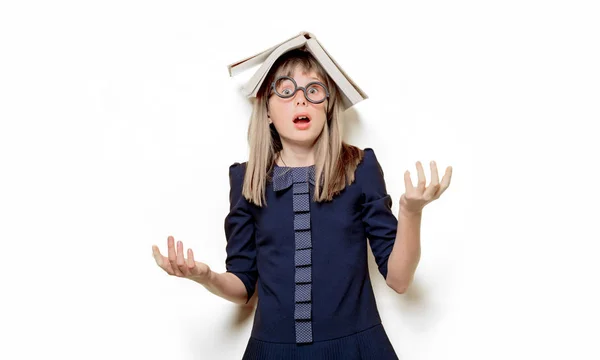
{"points": [[379, 221], [239, 232]]}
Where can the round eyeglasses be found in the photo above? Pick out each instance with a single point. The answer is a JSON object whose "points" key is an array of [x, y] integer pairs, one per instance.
{"points": [[285, 87]]}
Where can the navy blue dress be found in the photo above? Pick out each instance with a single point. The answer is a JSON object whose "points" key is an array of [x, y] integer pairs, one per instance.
{"points": [[308, 262]]}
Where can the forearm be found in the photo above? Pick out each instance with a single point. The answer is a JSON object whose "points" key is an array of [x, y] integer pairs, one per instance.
{"points": [[406, 253], [228, 286]]}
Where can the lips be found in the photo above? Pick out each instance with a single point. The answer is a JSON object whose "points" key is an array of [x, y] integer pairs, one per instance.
{"points": [[301, 117]]}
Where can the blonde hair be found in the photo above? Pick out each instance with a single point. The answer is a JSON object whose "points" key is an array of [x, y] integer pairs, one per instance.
{"points": [[335, 161]]}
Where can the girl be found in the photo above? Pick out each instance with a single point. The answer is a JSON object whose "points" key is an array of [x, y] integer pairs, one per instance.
{"points": [[301, 209]]}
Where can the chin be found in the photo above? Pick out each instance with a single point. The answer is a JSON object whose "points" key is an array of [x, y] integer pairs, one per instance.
{"points": [[301, 137]]}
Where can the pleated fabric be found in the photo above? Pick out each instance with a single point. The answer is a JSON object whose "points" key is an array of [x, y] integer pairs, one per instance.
{"points": [[299, 178], [302, 258], [370, 344]]}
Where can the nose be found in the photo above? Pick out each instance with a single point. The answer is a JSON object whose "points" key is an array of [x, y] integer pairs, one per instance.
{"points": [[299, 97]]}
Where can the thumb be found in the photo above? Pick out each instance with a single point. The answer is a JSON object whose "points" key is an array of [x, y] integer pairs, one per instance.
{"points": [[157, 255]]}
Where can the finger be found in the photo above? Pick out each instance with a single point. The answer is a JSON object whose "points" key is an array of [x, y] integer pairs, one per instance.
{"points": [[408, 185], [171, 248], [445, 180], [181, 260], [421, 176], [447, 176], [434, 185], [173, 255], [435, 179], [190, 262], [161, 260], [157, 255]]}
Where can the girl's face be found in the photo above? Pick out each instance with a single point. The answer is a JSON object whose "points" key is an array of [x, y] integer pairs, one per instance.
{"points": [[284, 112]]}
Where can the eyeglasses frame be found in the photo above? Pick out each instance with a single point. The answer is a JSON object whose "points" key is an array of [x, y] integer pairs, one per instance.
{"points": [[303, 88]]}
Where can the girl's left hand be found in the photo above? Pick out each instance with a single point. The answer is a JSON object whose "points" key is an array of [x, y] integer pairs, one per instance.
{"points": [[415, 198]]}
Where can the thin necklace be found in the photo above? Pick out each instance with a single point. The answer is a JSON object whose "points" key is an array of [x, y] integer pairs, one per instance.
{"points": [[284, 164], [281, 157]]}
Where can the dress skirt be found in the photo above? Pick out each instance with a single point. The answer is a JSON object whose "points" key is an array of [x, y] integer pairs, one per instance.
{"points": [[370, 344]]}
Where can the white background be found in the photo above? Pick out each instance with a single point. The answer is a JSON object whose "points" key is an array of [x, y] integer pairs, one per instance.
{"points": [[119, 122]]}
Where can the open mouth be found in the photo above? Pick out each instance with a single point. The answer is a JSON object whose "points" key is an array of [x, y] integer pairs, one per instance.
{"points": [[301, 119]]}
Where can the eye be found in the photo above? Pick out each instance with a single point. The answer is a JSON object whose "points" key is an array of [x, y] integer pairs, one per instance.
{"points": [[286, 91]]}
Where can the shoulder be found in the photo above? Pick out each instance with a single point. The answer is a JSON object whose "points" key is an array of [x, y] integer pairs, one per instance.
{"points": [[237, 170], [369, 161], [369, 173], [236, 183], [369, 156], [356, 157]]}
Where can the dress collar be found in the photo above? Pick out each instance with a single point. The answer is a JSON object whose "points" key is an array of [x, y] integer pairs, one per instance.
{"points": [[284, 177]]}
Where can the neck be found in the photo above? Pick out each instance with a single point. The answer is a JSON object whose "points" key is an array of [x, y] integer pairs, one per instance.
{"points": [[296, 157]]}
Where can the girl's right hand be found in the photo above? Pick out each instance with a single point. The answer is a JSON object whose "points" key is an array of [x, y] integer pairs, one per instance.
{"points": [[175, 264]]}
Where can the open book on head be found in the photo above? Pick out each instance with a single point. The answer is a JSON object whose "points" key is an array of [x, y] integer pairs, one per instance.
{"points": [[351, 93]]}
